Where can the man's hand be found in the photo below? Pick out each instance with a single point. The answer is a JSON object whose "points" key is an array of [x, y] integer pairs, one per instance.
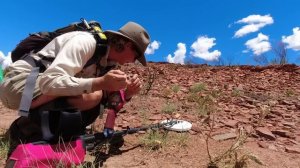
{"points": [[114, 80], [133, 86]]}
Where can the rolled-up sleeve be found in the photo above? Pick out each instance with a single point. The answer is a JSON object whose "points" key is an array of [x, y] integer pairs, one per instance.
{"points": [[71, 56]]}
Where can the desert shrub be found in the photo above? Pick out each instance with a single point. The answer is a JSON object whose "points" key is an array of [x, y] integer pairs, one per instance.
{"points": [[166, 92], [151, 77], [198, 87], [154, 139], [289, 93], [169, 108], [206, 105], [236, 92], [175, 88], [4, 146]]}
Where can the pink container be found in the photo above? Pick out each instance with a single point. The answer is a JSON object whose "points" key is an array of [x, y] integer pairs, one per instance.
{"points": [[66, 154]]}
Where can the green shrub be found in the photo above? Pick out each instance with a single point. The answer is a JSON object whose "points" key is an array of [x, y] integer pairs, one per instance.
{"points": [[4, 146], [175, 88], [169, 108], [154, 140], [198, 87]]}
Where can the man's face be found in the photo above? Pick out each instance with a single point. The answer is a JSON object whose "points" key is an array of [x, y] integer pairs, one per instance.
{"points": [[122, 51]]}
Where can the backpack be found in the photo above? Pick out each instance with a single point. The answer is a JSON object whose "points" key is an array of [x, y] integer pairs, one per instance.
{"points": [[36, 41]]}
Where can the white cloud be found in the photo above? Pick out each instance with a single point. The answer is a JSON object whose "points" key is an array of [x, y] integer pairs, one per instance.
{"points": [[179, 54], [152, 47], [5, 61], [293, 41], [254, 24], [254, 19], [200, 49], [259, 45]]}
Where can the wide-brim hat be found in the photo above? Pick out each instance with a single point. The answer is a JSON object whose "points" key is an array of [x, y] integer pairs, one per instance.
{"points": [[135, 33]]}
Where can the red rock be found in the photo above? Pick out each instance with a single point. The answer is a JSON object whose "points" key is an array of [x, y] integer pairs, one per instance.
{"points": [[177, 115], [130, 118], [254, 112], [142, 132], [270, 116], [277, 112], [261, 87], [293, 149], [290, 124], [286, 102], [225, 136], [226, 109], [239, 87], [292, 107], [230, 123], [184, 90], [297, 138], [265, 132], [193, 132], [248, 105], [242, 120], [272, 147], [196, 128], [248, 116], [282, 133], [294, 142], [249, 129], [125, 126], [174, 81], [263, 144], [155, 117]]}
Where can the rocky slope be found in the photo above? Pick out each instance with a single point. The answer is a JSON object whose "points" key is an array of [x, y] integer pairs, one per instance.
{"points": [[262, 102]]}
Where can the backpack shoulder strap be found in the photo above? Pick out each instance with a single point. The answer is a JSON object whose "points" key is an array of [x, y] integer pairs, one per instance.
{"points": [[101, 41], [98, 54], [27, 94]]}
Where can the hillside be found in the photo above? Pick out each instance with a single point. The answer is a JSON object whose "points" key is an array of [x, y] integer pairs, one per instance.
{"points": [[259, 104]]}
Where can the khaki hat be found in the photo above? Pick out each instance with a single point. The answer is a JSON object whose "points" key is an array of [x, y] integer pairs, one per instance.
{"points": [[135, 33]]}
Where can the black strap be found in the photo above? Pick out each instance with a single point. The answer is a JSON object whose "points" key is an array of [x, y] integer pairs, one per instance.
{"points": [[100, 52], [70, 124], [28, 92], [47, 134], [65, 124]]}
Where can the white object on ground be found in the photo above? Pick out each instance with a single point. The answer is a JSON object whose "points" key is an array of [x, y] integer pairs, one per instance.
{"points": [[179, 125]]}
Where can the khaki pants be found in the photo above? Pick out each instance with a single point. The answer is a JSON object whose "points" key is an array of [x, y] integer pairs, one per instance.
{"points": [[12, 87]]}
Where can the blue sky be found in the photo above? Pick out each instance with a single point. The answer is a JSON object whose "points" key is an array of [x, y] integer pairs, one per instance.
{"points": [[198, 31]]}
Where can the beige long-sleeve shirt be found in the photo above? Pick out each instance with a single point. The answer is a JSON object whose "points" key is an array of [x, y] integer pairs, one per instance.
{"points": [[65, 76]]}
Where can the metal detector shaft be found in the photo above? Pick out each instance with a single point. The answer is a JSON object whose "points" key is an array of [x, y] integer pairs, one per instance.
{"points": [[99, 138], [143, 128]]}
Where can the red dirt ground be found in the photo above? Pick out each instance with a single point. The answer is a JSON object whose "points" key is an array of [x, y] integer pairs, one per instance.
{"points": [[261, 101]]}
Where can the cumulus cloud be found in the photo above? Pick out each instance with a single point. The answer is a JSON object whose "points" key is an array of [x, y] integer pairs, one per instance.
{"points": [[152, 47], [259, 45], [5, 61], [253, 24], [293, 41], [200, 49], [179, 54]]}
